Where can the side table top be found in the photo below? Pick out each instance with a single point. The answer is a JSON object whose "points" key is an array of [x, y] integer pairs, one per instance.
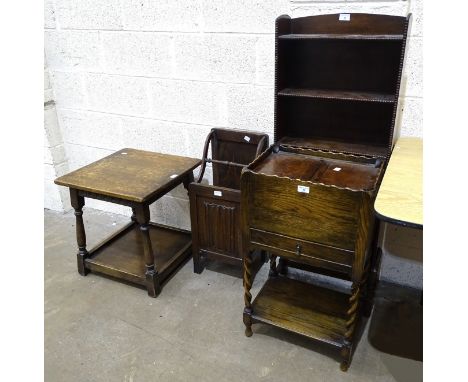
{"points": [[130, 174], [400, 197]]}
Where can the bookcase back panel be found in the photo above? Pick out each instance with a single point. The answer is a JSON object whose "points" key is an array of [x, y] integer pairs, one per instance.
{"points": [[352, 122], [358, 65]]}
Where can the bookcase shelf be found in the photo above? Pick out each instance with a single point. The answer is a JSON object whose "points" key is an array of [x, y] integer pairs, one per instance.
{"points": [[333, 146], [338, 94], [333, 36]]}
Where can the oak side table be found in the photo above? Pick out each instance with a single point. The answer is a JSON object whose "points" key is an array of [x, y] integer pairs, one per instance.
{"points": [[142, 252]]}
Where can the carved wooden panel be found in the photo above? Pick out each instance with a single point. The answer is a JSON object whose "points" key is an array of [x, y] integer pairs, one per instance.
{"points": [[221, 220]]}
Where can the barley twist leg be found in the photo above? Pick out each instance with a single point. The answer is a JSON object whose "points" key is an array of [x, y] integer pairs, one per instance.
{"points": [[247, 316], [352, 316]]}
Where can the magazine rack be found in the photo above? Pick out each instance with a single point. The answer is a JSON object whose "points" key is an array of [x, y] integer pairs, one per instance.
{"points": [[215, 209]]}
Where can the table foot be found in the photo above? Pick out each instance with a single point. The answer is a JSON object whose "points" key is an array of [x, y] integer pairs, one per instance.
{"points": [[80, 258], [198, 264], [152, 283], [248, 322], [346, 354]]}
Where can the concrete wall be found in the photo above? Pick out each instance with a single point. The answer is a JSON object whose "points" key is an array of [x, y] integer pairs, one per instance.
{"points": [[55, 160], [158, 75]]}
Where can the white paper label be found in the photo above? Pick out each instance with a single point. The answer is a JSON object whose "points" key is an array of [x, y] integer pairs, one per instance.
{"points": [[218, 193], [123, 153], [247, 138], [337, 169], [344, 17], [303, 189], [173, 176]]}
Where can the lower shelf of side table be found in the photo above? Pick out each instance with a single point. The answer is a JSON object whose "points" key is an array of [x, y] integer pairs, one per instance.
{"points": [[302, 308], [121, 255]]}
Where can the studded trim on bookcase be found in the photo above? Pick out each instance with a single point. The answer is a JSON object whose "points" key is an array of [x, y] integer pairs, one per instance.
{"points": [[343, 152], [397, 92], [275, 116]]}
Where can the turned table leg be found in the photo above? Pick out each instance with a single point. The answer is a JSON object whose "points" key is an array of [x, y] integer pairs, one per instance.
{"points": [[198, 262], [247, 317], [142, 215], [77, 203], [351, 324]]}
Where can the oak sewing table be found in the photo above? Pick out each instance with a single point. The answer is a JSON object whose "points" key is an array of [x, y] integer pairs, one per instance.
{"points": [[396, 325], [308, 199], [142, 252]]}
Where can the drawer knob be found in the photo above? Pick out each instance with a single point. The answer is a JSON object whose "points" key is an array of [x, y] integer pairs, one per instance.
{"points": [[298, 249]]}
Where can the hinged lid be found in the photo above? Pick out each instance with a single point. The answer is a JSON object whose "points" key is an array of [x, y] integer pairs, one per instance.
{"points": [[337, 81]]}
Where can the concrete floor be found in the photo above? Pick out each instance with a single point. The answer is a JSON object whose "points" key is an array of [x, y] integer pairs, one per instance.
{"points": [[97, 329]]}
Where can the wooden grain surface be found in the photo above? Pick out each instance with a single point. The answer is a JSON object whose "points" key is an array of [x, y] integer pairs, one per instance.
{"points": [[315, 312], [328, 171], [400, 198], [122, 256], [325, 215], [335, 145], [337, 211], [130, 174], [337, 94]]}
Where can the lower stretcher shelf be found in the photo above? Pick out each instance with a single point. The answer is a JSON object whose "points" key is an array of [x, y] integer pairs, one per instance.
{"points": [[300, 307], [121, 255]]}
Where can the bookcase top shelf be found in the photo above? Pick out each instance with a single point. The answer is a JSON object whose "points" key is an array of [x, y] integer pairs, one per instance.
{"points": [[341, 36], [352, 24]]}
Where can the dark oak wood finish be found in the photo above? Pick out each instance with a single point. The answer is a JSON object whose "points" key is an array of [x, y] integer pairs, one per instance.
{"points": [[142, 252], [309, 198], [332, 145], [132, 175], [315, 312], [77, 203], [215, 209], [122, 255], [334, 36], [338, 95]]}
